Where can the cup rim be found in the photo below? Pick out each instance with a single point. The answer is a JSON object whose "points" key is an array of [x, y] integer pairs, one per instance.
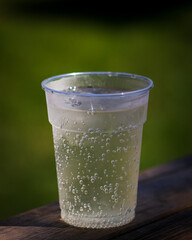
{"points": [[109, 74]]}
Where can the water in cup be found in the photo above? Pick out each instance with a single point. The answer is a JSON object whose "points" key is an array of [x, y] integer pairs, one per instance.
{"points": [[97, 158]]}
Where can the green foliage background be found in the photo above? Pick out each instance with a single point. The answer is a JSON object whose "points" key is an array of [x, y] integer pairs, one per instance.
{"points": [[32, 49]]}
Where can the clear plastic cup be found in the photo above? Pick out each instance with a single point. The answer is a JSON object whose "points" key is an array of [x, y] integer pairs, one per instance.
{"points": [[97, 120]]}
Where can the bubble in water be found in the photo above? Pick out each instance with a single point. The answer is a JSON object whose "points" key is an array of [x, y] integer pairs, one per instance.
{"points": [[96, 175], [68, 150], [92, 179], [73, 191], [85, 205], [81, 181], [106, 190]]}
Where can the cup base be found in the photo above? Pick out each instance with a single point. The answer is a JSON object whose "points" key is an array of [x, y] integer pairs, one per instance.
{"points": [[97, 222]]}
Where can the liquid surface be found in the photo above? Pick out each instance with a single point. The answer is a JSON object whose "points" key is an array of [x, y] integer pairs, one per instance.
{"points": [[93, 90]]}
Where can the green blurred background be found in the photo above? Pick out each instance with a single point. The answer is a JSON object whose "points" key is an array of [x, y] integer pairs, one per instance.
{"points": [[39, 39]]}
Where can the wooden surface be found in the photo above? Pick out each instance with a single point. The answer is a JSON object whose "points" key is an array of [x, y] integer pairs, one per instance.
{"points": [[164, 211]]}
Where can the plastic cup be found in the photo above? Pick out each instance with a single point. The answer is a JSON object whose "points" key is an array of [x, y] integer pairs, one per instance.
{"points": [[97, 120]]}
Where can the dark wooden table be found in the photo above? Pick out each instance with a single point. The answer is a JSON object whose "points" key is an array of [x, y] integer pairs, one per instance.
{"points": [[164, 211]]}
